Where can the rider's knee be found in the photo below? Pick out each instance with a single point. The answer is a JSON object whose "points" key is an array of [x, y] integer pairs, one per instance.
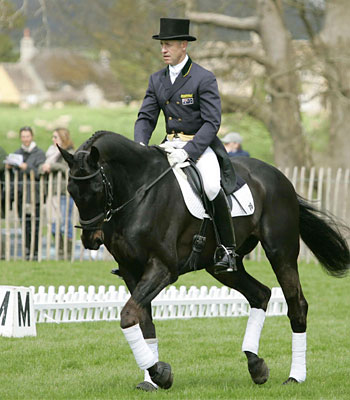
{"points": [[211, 191]]}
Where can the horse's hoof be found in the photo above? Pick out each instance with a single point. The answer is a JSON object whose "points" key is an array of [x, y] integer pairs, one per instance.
{"points": [[161, 374], [290, 380], [146, 386], [258, 370]]}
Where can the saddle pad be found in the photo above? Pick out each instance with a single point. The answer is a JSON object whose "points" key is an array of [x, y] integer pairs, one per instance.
{"points": [[242, 199]]}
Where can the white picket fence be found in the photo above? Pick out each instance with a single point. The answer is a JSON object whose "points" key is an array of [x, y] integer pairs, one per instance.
{"points": [[71, 305]]}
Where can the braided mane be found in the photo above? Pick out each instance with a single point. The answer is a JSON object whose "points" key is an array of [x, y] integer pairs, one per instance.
{"points": [[92, 139]]}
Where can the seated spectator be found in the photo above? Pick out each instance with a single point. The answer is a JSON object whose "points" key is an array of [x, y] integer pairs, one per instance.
{"points": [[54, 163], [30, 157], [233, 145]]}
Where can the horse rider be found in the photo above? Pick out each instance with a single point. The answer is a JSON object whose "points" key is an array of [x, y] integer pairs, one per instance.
{"points": [[189, 98]]}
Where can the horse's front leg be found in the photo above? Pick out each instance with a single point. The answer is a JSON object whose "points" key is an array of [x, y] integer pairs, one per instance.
{"points": [[149, 333], [155, 278]]}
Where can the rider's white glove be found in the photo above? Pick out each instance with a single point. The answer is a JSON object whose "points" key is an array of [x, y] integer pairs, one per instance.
{"points": [[177, 156]]}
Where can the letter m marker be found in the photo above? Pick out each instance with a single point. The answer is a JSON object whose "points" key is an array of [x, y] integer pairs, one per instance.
{"points": [[23, 314]]}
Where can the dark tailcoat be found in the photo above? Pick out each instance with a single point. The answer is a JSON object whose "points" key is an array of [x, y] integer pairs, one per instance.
{"points": [[191, 106]]}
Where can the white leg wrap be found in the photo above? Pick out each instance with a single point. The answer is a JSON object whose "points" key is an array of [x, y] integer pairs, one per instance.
{"points": [[153, 345], [253, 330], [298, 367], [142, 353]]}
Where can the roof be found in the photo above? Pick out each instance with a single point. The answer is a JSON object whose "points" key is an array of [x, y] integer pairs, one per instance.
{"points": [[60, 67], [60, 74], [22, 78]]}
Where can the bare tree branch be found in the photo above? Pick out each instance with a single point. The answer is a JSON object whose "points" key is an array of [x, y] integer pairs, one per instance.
{"points": [[249, 105], [240, 52], [43, 11], [224, 21], [10, 19]]}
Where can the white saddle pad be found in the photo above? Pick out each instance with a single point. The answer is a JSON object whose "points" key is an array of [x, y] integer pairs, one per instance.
{"points": [[242, 199]]}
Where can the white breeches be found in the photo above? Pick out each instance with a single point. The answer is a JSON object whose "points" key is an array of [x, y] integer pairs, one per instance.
{"points": [[208, 166]]}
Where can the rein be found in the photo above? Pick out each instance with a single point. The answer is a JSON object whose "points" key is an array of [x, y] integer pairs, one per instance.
{"points": [[108, 212]]}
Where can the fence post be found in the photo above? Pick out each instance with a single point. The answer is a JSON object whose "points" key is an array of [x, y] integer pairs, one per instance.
{"points": [[57, 201], [49, 217], [15, 212], [346, 194], [41, 216], [65, 235], [328, 189], [23, 216], [7, 215], [336, 191], [32, 215]]}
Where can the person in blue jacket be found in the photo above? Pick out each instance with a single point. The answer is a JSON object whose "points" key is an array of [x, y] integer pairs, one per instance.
{"points": [[189, 98], [233, 145]]}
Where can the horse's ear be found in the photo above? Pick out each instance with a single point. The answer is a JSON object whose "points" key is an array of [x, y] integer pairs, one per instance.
{"points": [[94, 156], [68, 157]]}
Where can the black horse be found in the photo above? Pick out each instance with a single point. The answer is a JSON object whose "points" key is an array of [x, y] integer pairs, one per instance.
{"points": [[129, 199]]}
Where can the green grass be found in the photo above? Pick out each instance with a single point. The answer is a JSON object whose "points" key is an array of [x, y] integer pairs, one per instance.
{"points": [[93, 361], [121, 120]]}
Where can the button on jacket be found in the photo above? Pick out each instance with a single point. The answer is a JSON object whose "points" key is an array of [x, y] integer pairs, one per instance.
{"points": [[191, 106]]}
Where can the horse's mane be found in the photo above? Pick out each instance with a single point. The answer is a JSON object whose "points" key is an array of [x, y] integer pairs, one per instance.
{"points": [[114, 146], [86, 145]]}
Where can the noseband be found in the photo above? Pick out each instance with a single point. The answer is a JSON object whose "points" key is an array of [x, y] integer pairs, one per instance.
{"points": [[107, 214]]}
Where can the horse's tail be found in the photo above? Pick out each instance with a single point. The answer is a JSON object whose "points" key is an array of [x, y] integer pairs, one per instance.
{"points": [[321, 233]]}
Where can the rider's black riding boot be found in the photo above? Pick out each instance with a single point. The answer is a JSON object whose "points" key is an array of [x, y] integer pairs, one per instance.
{"points": [[224, 258]]}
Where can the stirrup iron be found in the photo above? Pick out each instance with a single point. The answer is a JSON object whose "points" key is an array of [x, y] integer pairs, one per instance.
{"points": [[220, 254]]}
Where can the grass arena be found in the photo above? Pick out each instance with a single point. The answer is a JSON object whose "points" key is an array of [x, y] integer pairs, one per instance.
{"points": [[92, 360]]}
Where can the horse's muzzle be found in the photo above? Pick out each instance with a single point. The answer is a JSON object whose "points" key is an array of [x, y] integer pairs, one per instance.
{"points": [[92, 240]]}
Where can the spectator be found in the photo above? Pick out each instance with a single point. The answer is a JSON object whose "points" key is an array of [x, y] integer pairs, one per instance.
{"points": [[233, 145], [55, 163], [30, 157]]}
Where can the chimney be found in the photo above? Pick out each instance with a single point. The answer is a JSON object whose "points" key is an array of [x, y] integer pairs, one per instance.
{"points": [[27, 48], [105, 57]]}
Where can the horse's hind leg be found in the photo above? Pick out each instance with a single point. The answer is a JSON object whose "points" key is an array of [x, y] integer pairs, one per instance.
{"points": [[258, 296], [282, 248]]}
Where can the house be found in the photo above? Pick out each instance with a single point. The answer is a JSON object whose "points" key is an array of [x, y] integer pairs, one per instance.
{"points": [[57, 75]]}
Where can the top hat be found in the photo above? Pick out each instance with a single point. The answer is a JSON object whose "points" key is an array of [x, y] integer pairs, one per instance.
{"points": [[174, 29]]}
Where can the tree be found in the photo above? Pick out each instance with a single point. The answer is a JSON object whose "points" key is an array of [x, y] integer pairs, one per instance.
{"points": [[279, 108], [333, 47], [124, 28], [10, 20]]}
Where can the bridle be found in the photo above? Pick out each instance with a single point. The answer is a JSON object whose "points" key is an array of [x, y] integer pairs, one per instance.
{"points": [[108, 212]]}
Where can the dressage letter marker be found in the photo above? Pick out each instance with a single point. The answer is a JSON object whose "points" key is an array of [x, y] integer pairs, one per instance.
{"points": [[17, 317]]}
